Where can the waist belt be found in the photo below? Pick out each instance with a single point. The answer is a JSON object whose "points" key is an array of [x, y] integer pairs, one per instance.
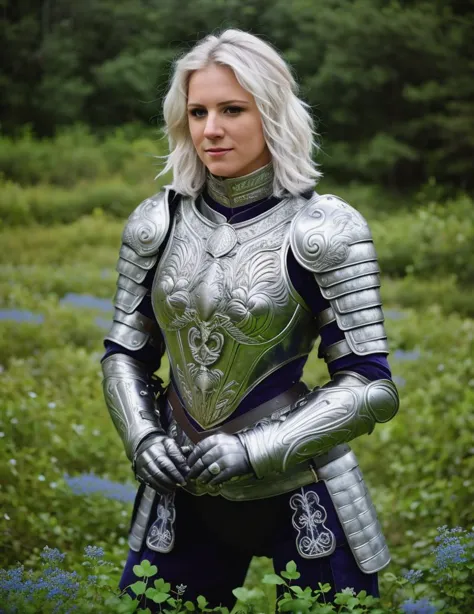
{"points": [[285, 399], [248, 487]]}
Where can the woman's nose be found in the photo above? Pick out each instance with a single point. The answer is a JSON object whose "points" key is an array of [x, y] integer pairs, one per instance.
{"points": [[212, 129]]}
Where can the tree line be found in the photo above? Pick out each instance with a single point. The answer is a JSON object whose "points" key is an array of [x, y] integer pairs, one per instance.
{"points": [[390, 82]]}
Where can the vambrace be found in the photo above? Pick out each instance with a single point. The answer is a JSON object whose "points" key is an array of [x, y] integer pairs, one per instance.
{"points": [[129, 392], [348, 406]]}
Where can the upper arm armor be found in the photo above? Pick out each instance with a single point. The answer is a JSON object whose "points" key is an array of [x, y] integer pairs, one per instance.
{"points": [[332, 239], [142, 237]]}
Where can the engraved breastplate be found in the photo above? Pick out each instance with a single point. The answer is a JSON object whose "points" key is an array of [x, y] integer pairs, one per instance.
{"points": [[229, 315]]}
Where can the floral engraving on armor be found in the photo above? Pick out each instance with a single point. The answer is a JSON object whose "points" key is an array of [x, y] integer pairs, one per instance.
{"points": [[209, 304], [161, 535], [314, 539], [147, 225], [198, 384]]}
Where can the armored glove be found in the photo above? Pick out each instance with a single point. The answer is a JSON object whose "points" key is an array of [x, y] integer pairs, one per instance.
{"points": [[218, 458], [160, 463]]}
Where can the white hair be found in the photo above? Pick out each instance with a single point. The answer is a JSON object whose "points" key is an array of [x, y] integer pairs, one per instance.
{"points": [[287, 125]]}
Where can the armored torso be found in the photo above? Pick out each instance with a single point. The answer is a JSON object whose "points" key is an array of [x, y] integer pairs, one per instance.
{"points": [[223, 299]]}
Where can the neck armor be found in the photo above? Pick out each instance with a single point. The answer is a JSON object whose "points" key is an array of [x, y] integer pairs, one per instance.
{"points": [[241, 191], [226, 307]]}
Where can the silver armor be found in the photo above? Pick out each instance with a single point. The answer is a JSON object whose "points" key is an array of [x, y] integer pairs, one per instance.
{"points": [[127, 382], [226, 307], [230, 317]]}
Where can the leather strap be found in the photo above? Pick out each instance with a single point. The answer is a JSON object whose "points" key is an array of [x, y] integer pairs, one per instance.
{"points": [[237, 424]]}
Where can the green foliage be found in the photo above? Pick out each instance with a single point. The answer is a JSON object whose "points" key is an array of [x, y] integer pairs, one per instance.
{"points": [[389, 82], [52, 589]]}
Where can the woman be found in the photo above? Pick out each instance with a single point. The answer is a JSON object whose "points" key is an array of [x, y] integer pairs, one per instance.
{"points": [[235, 270]]}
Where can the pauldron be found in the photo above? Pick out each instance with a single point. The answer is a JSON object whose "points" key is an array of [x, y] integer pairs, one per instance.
{"points": [[142, 237], [332, 239]]}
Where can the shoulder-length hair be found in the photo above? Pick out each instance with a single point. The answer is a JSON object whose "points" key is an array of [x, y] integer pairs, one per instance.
{"points": [[287, 125]]}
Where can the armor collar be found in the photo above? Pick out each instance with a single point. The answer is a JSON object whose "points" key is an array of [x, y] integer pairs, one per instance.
{"points": [[241, 191]]}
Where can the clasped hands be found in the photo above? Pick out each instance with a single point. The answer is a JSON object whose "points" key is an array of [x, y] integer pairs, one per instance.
{"points": [[161, 463]]}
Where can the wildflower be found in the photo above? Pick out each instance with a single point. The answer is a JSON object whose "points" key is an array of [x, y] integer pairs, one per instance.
{"points": [[348, 591], [181, 589], [12, 461], [52, 555], [41, 478], [78, 428], [2, 434], [412, 576], [32, 395], [423, 606], [51, 405], [90, 483], [449, 550], [93, 552]]}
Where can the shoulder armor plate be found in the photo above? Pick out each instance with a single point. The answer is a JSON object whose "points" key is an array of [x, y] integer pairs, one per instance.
{"points": [[142, 237], [147, 226], [333, 240]]}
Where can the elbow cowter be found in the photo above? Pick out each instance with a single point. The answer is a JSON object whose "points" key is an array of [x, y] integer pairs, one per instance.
{"points": [[345, 408]]}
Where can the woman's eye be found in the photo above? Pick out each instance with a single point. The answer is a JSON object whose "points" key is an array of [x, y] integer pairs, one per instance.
{"points": [[233, 110], [198, 112]]}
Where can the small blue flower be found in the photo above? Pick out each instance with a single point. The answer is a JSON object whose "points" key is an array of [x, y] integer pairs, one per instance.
{"points": [[423, 606], [93, 552], [52, 555], [88, 483], [449, 549], [413, 576]]}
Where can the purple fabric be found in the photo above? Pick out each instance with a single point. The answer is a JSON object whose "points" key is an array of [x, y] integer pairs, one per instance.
{"points": [[216, 539]]}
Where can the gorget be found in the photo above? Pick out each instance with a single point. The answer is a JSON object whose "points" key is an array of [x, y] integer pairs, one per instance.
{"points": [[224, 302]]}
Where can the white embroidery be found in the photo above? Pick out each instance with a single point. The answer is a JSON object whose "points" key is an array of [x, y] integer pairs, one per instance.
{"points": [[314, 539], [161, 535]]}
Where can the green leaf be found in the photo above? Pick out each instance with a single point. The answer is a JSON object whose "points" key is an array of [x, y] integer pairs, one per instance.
{"points": [[156, 596], [138, 588], [295, 605], [139, 571], [162, 586], [202, 602], [272, 578], [241, 593], [297, 590], [189, 605]]}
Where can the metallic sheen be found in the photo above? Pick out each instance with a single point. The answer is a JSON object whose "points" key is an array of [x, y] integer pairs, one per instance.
{"points": [[332, 239], [144, 232], [240, 191], [226, 308], [130, 400], [345, 408]]}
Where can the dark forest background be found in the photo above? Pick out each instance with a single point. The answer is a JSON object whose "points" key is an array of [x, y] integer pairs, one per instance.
{"points": [[390, 83]]}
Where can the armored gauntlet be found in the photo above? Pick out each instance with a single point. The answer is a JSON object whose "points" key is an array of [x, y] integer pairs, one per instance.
{"points": [[130, 399], [340, 411]]}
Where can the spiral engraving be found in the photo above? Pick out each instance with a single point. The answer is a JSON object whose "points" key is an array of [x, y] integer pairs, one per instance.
{"points": [[147, 225]]}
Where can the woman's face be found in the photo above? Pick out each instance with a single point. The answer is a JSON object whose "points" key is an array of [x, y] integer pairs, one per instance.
{"points": [[225, 124]]}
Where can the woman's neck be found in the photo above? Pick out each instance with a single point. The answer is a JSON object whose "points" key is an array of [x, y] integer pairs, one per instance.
{"points": [[240, 191]]}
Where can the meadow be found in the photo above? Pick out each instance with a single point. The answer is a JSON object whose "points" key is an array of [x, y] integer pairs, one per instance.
{"points": [[65, 481]]}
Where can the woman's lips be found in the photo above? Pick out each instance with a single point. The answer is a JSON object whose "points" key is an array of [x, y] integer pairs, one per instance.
{"points": [[215, 153]]}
